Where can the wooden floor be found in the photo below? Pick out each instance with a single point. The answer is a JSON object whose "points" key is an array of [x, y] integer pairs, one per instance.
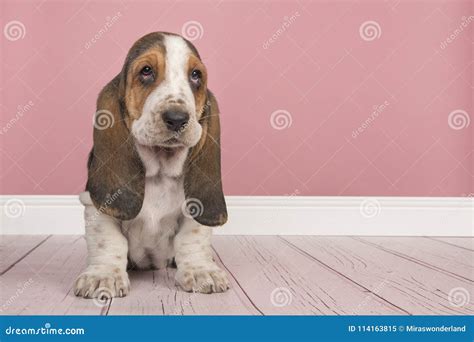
{"points": [[270, 275]]}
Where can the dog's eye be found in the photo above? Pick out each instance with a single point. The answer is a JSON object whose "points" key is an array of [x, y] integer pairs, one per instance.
{"points": [[196, 76], [146, 71]]}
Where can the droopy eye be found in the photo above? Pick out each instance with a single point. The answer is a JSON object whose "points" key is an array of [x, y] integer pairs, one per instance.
{"points": [[146, 71], [196, 76]]}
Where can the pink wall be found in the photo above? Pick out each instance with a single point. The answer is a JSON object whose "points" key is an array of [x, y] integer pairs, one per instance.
{"points": [[321, 71]]}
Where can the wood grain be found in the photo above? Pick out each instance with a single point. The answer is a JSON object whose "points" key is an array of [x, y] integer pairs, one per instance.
{"points": [[41, 283], [307, 275], [408, 285], [462, 242], [156, 293], [443, 257], [280, 280], [16, 247]]}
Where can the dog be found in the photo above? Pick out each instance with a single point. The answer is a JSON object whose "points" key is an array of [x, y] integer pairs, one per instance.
{"points": [[154, 185]]}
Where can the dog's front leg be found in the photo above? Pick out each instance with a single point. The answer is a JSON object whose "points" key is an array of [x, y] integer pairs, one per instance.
{"points": [[106, 274], [197, 270]]}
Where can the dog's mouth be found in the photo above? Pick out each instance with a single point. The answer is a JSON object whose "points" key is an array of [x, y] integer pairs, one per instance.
{"points": [[167, 150], [171, 143], [166, 142]]}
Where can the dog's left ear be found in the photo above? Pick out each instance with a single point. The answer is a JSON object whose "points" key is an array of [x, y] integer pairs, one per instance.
{"points": [[202, 179]]}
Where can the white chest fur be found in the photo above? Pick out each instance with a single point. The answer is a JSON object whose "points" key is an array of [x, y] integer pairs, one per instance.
{"points": [[151, 234]]}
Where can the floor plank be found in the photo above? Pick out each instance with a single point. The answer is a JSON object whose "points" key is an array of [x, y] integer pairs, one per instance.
{"points": [[463, 242], [269, 275], [451, 260], [41, 283], [156, 293], [408, 285], [15, 247], [280, 280]]}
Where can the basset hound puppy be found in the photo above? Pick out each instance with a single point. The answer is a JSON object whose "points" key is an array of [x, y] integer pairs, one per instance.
{"points": [[154, 177]]}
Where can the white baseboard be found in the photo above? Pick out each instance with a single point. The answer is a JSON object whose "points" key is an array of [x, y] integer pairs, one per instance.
{"points": [[268, 215]]}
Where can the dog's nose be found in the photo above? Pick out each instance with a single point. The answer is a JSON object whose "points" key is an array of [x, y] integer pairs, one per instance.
{"points": [[175, 120]]}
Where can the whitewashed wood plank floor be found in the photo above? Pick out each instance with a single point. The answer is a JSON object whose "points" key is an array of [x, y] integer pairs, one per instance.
{"points": [[270, 275]]}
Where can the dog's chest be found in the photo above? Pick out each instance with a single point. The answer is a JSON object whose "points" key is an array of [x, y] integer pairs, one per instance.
{"points": [[151, 234]]}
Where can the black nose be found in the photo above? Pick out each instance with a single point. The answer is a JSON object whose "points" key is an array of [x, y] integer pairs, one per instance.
{"points": [[175, 120]]}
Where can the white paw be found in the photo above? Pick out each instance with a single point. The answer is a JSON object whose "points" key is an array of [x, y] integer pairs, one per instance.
{"points": [[102, 282], [202, 278]]}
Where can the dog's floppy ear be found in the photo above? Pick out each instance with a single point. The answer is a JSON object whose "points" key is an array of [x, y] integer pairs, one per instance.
{"points": [[116, 176], [202, 179]]}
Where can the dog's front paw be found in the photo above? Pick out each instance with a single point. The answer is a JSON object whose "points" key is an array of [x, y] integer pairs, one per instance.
{"points": [[202, 278], [102, 282]]}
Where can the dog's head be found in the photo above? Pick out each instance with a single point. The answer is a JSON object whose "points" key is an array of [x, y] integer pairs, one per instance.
{"points": [[160, 100], [165, 91]]}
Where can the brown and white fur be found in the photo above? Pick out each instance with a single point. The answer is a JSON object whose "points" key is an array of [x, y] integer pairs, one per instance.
{"points": [[143, 174]]}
